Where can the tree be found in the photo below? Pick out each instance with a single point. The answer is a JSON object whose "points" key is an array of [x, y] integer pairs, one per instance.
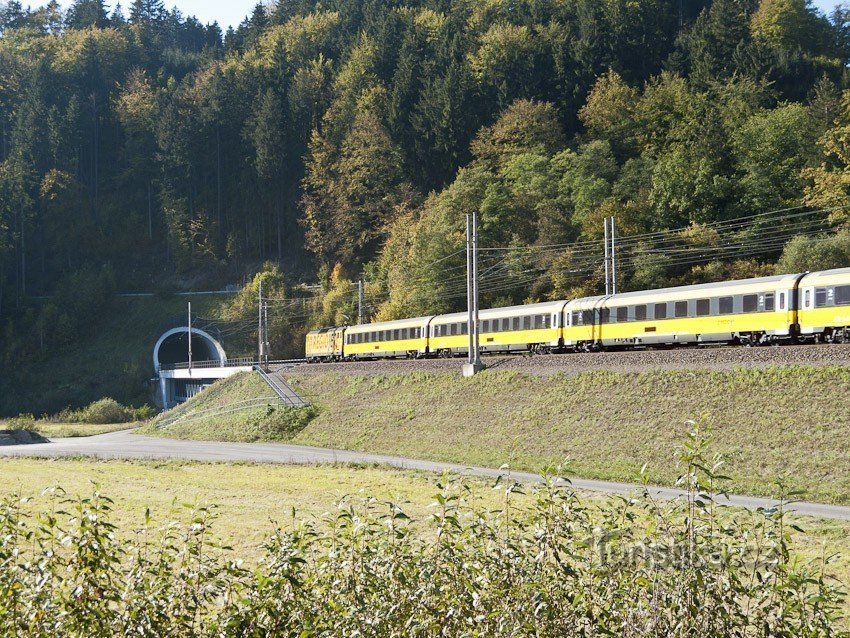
{"points": [[87, 13], [351, 195], [792, 24], [772, 148], [148, 12]]}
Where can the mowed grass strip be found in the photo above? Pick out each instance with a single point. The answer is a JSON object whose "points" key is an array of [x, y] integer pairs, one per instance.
{"points": [[781, 422], [249, 498]]}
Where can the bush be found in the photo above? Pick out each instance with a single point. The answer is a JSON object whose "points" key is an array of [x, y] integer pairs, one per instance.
{"points": [[551, 565], [20, 422], [102, 412]]}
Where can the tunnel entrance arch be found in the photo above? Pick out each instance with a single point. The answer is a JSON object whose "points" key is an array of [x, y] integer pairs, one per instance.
{"points": [[173, 348]]}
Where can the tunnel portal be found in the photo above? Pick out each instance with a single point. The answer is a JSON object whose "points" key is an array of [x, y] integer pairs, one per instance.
{"points": [[173, 348]]}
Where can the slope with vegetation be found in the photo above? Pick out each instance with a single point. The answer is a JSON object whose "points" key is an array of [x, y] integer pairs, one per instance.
{"points": [[348, 137], [772, 425], [241, 408]]}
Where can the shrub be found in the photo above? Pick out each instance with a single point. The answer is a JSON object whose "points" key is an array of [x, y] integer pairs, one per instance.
{"points": [[550, 565], [20, 422], [101, 412]]}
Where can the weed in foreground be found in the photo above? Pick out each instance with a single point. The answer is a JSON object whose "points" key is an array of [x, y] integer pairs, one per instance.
{"points": [[546, 563]]}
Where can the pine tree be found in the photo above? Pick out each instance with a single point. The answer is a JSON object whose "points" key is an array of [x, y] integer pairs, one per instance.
{"points": [[147, 12], [87, 13]]}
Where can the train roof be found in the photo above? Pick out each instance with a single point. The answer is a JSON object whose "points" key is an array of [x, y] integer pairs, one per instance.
{"points": [[383, 325], [826, 277], [757, 284], [320, 331], [506, 311]]}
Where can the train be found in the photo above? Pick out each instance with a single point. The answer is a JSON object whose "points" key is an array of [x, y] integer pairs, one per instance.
{"points": [[797, 308]]}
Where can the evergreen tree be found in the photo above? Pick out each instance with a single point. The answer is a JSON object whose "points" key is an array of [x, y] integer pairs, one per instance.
{"points": [[147, 12], [87, 13]]}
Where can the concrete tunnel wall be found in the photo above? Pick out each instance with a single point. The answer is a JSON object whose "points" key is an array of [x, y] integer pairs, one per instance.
{"points": [[173, 347]]}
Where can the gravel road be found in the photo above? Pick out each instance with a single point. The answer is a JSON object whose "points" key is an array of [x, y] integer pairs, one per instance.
{"points": [[128, 445], [709, 358]]}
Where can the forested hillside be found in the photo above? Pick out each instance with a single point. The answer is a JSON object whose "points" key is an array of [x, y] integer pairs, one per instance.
{"points": [[345, 137]]}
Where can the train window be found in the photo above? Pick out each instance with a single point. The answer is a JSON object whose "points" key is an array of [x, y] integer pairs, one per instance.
{"points": [[526, 323], [506, 324], [769, 302], [680, 309], [538, 321], [842, 295], [396, 334], [660, 311], [640, 312], [464, 328], [605, 315], [782, 301], [576, 318], [515, 322], [703, 307], [820, 297], [453, 329], [485, 325], [807, 296], [622, 314], [750, 303], [726, 305]]}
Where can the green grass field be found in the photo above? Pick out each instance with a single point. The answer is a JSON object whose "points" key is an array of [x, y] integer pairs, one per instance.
{"points": [[248, 497], [774, 423]]}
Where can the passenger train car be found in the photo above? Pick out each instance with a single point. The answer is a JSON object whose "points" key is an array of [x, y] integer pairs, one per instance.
{"points": [[804, 307]]}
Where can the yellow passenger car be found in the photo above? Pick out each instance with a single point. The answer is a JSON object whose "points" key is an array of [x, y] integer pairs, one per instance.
{"points": [[325, 344], [403, 338], [824, 306], [535, 327], [582, 330], [747, 311]]}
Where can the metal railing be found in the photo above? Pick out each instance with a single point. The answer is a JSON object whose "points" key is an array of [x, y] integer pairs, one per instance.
{"points": [[214, 363], [282, 389]]}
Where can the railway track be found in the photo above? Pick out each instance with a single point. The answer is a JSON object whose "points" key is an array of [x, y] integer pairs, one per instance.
{"points": [[690, 358]]}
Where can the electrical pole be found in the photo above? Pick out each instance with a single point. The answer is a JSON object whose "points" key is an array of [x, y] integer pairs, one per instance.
{"points": [[360, 302], [607, 264], [190, 336], [474, 365], [266, 343], [613, 257], [260, 327], [470, 311]]}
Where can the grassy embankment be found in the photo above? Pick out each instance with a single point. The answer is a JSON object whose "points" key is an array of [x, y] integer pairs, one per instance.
{"points": [[768, 423], [113, 359], [242, 408]]}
